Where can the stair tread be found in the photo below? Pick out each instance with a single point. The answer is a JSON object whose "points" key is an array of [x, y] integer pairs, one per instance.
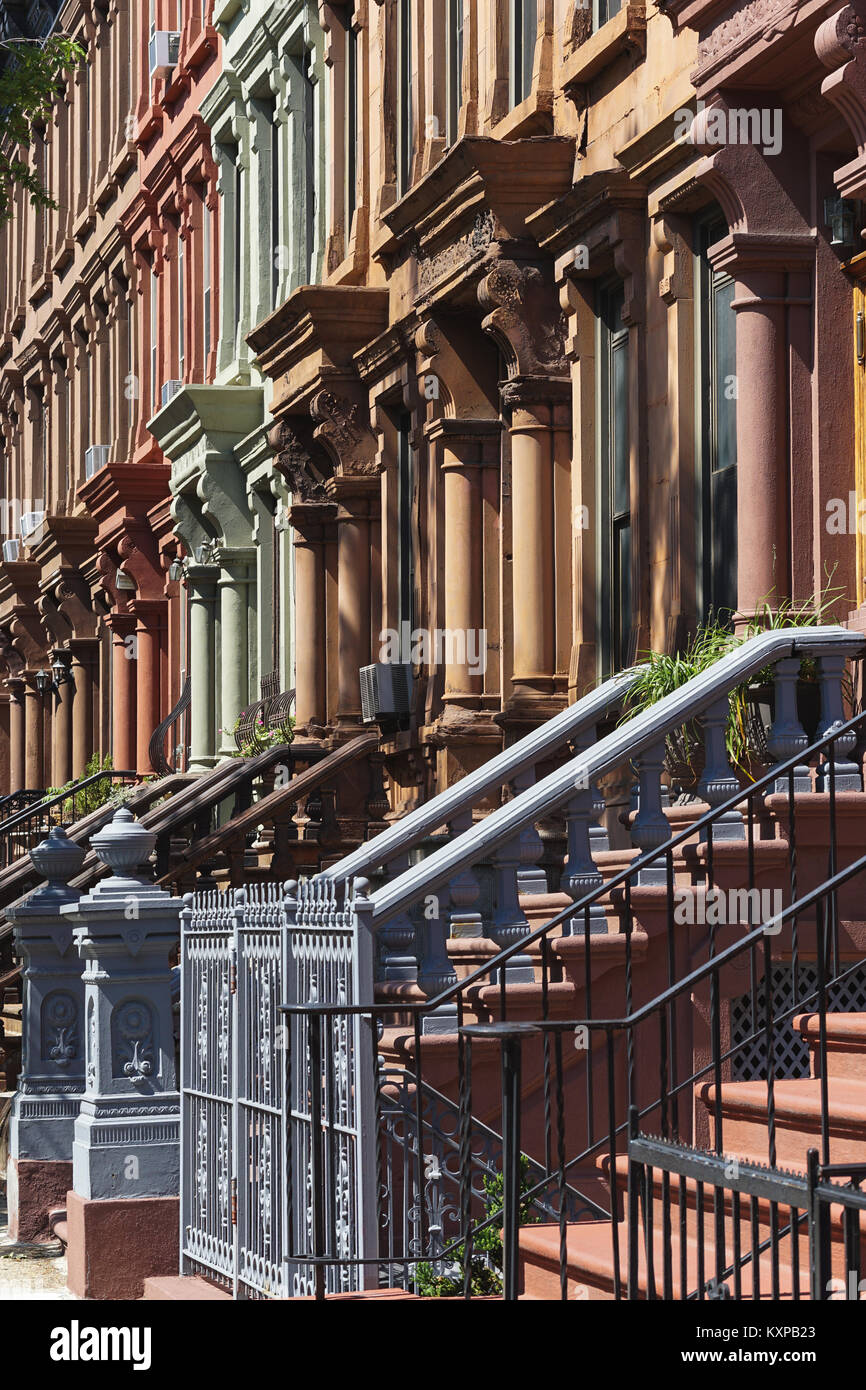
{"points": [[840, 1027], [590, 1252], [798, 1098]]}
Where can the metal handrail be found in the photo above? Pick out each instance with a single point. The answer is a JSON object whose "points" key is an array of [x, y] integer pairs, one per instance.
{"points": [[156, 747], [68, 793], [520, 757], [628, 741]]}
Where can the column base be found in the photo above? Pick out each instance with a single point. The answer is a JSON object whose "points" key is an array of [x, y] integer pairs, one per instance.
{"points": [[34, 1187], [115, 1245], [463, 739], [526, 709]]}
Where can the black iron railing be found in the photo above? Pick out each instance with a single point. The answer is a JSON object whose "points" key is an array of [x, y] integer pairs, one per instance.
{"points": [[19, 833], [643, 1059], [175, 724], [268, 715], [17, 801]]}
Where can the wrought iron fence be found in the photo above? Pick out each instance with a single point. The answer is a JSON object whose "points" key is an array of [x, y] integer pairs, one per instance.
{"points": [[274, 1109]]}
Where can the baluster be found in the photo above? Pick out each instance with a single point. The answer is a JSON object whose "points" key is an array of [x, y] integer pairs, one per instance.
{"points": [[463, 889], [531, 877], [580, 874], [397, 948], [452, 911], [831, 668], [786, 736], [650, 827], [719, 781], [509, 923]]}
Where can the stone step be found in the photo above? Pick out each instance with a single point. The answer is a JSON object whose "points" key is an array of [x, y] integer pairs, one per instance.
{"points": [[590, 1264], [58, 1225], [798, 1118], [689, 1189], [846, 1043]]}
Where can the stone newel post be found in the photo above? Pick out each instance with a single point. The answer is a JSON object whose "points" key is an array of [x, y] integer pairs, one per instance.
{"points": [[125, 1153], [124, 931], [52, 1078]]}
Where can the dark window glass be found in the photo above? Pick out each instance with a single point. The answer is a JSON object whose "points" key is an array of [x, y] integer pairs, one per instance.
{"points": [[615, 488], [454, 67], [404, 99], [716, 483], [406, 489], [524, 26]]}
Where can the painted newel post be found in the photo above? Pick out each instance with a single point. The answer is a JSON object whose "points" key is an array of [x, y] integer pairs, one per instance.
{"points": [[52, 1075], [123, 1211]]}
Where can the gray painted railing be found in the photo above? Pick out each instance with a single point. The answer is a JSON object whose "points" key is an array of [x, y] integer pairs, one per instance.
{"points": [[641, 740], [511, 765]]}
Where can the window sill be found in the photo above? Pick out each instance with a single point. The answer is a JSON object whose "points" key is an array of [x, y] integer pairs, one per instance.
{"points": [[197, 45], [84, 223], [625, 33], [534, 116], [63, 255], [40, 287], [124, 159]]}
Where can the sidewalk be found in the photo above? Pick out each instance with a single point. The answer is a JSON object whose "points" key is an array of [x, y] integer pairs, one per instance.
{"points": [[30, 1271]]}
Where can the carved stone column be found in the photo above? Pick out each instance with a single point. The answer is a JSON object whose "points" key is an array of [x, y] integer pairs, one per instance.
{"points": [[124, 709], [353, 592], [17, 734], [61, 724], [149, 634], [202, 625], [83, 664], [310, 524], [34, 725], [526, 321], [237, 577], [343, 430]]}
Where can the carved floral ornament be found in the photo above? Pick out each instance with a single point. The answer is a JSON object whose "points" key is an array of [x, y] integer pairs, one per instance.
{"points": [[766, 17], [432, 267], [344, 432], [525, 318], [294, 462]]}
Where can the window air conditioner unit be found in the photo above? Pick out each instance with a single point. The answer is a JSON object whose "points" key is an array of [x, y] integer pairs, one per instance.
{"points": [[11, 549], [30, 523], [385, 691], [169, 389], [162, 52], [95, 457]]}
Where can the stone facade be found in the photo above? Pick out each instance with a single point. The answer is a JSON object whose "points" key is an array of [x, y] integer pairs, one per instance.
{"points": [[530, 327]]}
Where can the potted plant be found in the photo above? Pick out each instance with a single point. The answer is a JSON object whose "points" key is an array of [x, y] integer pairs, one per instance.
{"points": [[752, 704]]}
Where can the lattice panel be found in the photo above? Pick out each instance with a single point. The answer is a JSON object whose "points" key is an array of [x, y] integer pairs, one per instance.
{"points": [[791, 1052]]}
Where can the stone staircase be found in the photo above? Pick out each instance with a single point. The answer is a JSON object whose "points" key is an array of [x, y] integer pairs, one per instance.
{"points": [[744, 1106]]}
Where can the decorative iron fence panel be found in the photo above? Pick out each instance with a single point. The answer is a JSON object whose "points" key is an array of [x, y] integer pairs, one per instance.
{"points": [[207, 1087], [330, 961], [251, 1085]]}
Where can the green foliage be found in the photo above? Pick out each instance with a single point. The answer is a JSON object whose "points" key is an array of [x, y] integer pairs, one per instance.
{"points": [[28, 85], [94, 796], [486, 1262], [713, 640], [264, 738]]}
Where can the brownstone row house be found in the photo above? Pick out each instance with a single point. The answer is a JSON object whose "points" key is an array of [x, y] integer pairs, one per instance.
{"points": [[582, 368], [91, 623], [580, 364]]}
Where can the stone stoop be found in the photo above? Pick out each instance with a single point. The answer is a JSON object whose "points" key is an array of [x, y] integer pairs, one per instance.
{"points": [[589, 1245], [192, 1288]]}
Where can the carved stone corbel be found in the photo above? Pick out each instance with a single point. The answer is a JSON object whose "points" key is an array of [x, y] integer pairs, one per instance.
{"points": [[524, 317], [840, 43], [292, 458], [345, 435]]}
